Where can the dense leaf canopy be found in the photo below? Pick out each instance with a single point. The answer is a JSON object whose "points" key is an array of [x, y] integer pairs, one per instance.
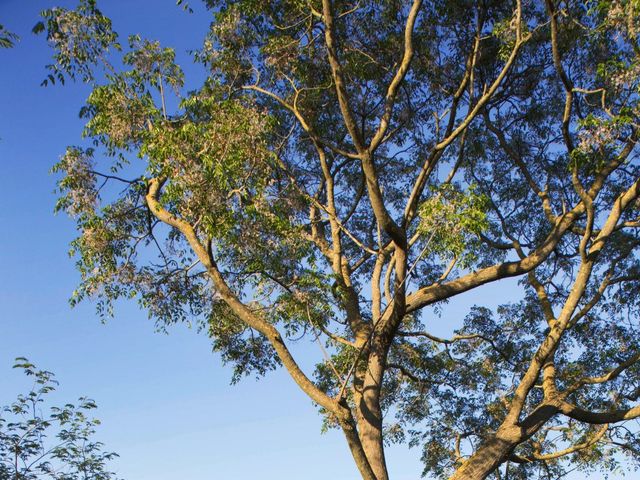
{"points": [[346, 167]]}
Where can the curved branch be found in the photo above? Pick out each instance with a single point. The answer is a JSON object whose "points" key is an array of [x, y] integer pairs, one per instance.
{"points": [[598, 418], [607, 377], [338, 76], [239, 308], [536, 456], [392, 91], [488, 94], [436, 292]]}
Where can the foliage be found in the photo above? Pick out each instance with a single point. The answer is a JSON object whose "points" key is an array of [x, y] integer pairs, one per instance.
{"points": [[38, 441], [346, 169], [7, 38], [80, 38], [451, 219]]}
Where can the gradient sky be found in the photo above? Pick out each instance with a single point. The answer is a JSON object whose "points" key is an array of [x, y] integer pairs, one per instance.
{"points": [[164, 400]]}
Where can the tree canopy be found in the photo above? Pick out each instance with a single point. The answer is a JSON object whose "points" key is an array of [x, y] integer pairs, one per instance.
{"points": [[343, 170]]}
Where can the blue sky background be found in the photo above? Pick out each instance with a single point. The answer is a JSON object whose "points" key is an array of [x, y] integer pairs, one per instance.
{"points": [[165, 401]]}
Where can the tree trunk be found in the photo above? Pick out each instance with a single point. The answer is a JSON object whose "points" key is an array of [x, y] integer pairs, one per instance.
{"points": [[369, 415], [488, 457], [371, 438], [357, 449]]}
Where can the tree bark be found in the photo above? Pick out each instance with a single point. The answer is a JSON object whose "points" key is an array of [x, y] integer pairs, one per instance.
{"points": [[370, 417], [373, 446], [489, 456], [357, 449]]}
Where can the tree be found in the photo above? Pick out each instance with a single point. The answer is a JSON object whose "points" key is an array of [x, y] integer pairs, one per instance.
{"points": [[345, 169], [56, 443]]}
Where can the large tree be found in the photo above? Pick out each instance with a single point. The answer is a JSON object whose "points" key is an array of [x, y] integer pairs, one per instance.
{"points": [[348, 166]]}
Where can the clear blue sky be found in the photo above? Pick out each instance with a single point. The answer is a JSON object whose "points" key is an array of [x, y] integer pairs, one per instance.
{"points": [[164, 400]]}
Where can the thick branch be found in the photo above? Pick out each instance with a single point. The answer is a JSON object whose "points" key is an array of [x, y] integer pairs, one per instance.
{"points": [[240, 309], [598, 418], [436, 292]]}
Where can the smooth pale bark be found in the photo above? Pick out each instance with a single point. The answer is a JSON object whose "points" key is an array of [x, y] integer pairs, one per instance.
{"points": [[370, 417], [370, 410], [484, 461], [489, 455], [373, 447], [355, 445]]}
